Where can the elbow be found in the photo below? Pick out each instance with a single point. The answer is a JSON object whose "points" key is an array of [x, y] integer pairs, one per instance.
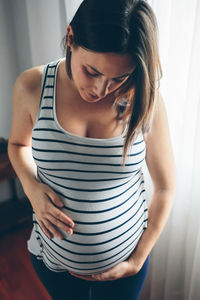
{"points": [[166, 181], [168, 187]]}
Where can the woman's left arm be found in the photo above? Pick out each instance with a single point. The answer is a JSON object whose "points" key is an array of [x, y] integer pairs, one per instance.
{"points": [[161, 166]]}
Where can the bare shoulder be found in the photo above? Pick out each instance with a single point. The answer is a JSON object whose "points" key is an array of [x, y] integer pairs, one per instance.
{"points": [[159, 152], [27, 90], [30, 80], [159, 117], [26, 100]]}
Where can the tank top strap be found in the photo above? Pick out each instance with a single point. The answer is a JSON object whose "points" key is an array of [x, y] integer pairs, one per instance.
{"points": [[48, 88]]}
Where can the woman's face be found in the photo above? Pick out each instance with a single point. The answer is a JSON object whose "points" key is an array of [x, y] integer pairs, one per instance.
{"points": [[96, 75]]}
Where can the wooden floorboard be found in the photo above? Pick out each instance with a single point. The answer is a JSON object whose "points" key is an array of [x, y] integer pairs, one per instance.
{"points": [[18, 280]]}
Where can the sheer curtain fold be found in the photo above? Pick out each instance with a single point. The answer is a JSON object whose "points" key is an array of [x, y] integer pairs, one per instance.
{"points": [[181, 90]]}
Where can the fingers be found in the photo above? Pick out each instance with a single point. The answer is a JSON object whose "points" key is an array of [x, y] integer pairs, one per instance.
{"points": [[52, 229], [60, 224], [56, 212], [45, 230], [62, 217], [84, 277], [55, 198], [51, 219]]}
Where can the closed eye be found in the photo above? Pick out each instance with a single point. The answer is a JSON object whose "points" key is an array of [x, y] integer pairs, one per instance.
{"points": [[117, 80], [90, 74]]}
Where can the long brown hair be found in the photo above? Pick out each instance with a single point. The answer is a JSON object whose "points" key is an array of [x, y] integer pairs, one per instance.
{"points": [[124, 26]]}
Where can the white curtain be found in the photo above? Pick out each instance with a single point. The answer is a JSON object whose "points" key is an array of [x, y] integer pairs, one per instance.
{"points": [[174, 272], [175, 268]]}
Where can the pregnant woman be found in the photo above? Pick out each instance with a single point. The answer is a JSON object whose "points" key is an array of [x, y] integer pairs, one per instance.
{"points": [[83, 127]]}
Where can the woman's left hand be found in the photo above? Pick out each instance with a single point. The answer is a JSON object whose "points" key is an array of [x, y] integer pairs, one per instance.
{"points": [[123, 269]]}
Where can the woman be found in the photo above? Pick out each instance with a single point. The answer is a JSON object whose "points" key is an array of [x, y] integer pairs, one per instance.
{"points": [[82, 128]]}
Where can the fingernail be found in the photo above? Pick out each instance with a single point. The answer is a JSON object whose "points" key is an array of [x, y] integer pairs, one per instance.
{"points": [[68, 230]]}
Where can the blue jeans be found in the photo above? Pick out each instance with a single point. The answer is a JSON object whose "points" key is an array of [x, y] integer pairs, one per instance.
{"points": [[64, 286]]}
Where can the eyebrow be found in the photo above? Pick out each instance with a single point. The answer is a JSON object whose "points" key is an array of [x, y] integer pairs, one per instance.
{"points": [[95, 70]]}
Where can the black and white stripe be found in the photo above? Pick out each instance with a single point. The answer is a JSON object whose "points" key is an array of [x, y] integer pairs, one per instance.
{"points": [[105, 199]]}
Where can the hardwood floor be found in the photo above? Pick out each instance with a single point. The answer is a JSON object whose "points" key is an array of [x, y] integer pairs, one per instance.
{"points": [[17, 278]]}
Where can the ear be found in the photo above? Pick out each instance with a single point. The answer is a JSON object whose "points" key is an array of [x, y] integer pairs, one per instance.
{"points": [[70, 36]]}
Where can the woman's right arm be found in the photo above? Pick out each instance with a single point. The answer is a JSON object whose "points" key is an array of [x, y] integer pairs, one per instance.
{"points": [[45, 202]]}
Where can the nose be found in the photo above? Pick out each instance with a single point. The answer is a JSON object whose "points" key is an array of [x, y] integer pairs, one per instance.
{"points": [[101, 87]]}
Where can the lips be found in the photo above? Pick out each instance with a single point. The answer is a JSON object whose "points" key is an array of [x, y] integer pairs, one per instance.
{"points": [[93, 96]]}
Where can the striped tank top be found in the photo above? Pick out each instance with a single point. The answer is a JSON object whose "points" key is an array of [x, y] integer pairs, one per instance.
{"points": [[105, 199]]}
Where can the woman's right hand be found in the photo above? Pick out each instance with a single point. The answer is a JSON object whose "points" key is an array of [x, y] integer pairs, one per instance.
{"points": [[46, 204]]}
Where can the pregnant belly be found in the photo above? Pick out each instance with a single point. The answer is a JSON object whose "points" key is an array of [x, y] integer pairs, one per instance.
{"points": [[101, 238]]}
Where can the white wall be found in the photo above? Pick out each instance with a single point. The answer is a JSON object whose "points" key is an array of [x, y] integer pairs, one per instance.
{"points": [[30, 34], [21, 35], [45, 30], [8, 66]]}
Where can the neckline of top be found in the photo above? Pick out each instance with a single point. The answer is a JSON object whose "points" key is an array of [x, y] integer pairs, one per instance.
{"points": [[72, 135]]}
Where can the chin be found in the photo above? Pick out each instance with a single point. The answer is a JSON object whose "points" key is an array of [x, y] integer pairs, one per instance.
{"points": [[88, 97]]}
